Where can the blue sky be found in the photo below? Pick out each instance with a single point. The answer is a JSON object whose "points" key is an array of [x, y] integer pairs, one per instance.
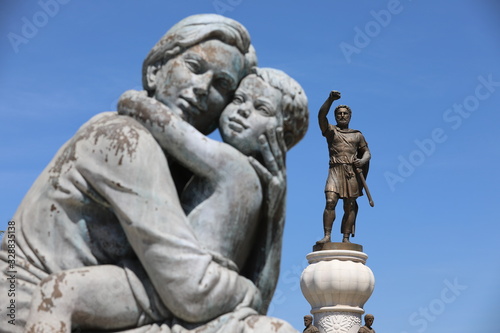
{"points": [[422, 79]]}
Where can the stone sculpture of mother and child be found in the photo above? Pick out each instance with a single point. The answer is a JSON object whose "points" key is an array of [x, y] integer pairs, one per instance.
{"points": [[141, 223]]}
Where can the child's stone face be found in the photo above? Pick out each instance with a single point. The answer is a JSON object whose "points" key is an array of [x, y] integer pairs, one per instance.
{"points": [[256, 107]]}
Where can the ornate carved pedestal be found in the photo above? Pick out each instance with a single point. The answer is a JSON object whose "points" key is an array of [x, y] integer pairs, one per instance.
{"points": [[337, 284]]}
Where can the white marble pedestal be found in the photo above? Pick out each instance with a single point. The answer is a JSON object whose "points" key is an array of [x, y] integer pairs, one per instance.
{"points": [[337, 284]]}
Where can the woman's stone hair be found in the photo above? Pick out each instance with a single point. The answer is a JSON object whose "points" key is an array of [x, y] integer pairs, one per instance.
{"points": [[194, 30]]}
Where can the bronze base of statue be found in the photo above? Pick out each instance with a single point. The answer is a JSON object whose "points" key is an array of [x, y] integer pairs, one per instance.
{"points": [[337, 246]]}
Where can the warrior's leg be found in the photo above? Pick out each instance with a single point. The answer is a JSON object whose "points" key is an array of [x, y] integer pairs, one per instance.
{"points": [[329, 215], [96, 297], [350, 213]]}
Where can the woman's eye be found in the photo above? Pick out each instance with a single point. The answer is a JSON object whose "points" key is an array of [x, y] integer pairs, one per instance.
{"points": [[224, 84], [193, 65]]}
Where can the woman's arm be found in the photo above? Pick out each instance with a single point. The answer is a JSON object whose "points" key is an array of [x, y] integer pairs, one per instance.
{"points": [[177, 137], [137, 185]]}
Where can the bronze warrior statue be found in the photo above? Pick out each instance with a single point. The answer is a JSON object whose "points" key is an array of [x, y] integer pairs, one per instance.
{"points": [[349, 160], [309, 327], [368, 324]]}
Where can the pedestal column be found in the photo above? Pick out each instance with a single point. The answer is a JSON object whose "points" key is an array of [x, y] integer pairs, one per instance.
{"points": [[337, 284]]}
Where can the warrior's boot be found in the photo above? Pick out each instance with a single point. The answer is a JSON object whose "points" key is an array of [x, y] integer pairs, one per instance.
{"points": [[327, 238], [346, 239]]}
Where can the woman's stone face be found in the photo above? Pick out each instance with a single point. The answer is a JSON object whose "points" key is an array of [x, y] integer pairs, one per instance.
{"points": [[199, 82]]}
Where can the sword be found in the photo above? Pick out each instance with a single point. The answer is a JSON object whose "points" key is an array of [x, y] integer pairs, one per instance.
{"points": [[363, 181]]}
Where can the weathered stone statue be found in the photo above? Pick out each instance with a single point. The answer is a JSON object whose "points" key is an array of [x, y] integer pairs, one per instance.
{"points": [[136, 223], [368, 324], [310, 328], [349, 157]]}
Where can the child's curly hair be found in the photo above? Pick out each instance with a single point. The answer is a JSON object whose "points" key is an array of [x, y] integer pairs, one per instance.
{"points": [[294, 103]]}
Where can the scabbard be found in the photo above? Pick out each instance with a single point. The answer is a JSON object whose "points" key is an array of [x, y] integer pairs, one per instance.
{"points": [[359, 172]]}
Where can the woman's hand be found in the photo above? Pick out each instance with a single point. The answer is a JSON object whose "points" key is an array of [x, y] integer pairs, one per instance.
{"points": [[131, 101], [273, 173]]}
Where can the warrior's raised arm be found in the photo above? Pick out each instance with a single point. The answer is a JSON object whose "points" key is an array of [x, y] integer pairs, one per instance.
{"points": [[325, 108]]}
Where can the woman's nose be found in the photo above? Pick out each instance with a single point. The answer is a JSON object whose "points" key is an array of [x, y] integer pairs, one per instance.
{"points": [[202, 84]]}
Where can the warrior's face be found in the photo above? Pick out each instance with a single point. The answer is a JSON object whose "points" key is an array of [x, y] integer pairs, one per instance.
{"points": [[369, 321], [343, 117]]}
